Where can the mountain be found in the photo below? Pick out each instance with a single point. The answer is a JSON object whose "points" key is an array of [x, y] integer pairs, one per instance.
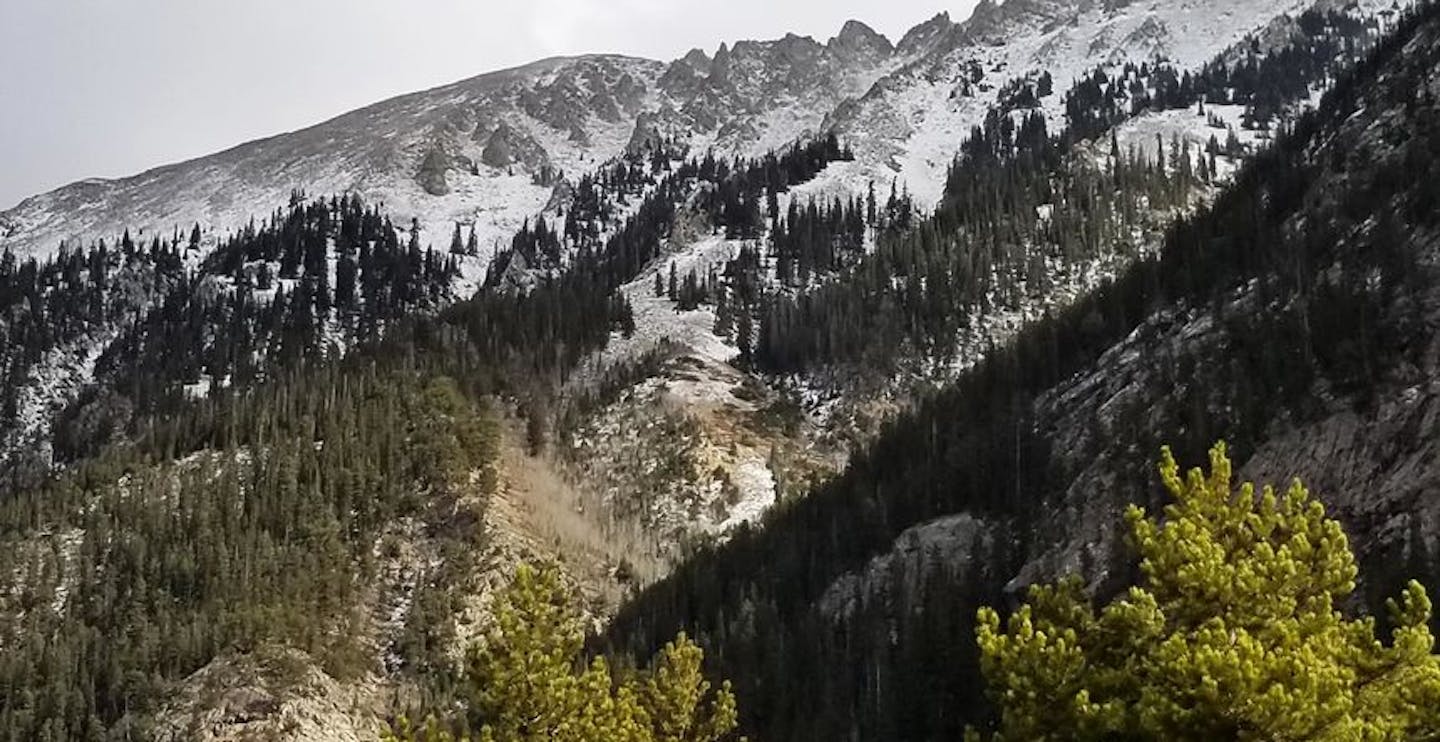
{"points": [[1294, 317], [256, 403], [485, 156], [490, 150]]}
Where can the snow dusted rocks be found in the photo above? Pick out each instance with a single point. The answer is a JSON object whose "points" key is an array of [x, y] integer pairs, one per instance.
{"points": [[421, 154]]}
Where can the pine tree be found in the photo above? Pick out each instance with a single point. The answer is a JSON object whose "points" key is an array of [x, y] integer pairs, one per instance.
{"points": [[724, 319], [745, 334], [1234, 632], [526, 682]]}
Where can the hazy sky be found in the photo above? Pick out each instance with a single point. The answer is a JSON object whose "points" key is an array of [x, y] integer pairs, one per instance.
{"points": [[112, 87]]}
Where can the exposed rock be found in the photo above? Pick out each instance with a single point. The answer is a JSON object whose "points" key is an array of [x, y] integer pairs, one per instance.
{"points": [[720, 65], [511, 272], [433, 171], [605, 107], [561, 194], [272, 694], [629, 93], [1151, 39], [696, 59], [647, 134], [507, 146], [683, 78], [948, 547], [859, 42], [925, 34]]}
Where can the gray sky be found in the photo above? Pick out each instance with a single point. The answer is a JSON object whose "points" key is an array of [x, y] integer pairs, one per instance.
{"points": [[112, 87]]}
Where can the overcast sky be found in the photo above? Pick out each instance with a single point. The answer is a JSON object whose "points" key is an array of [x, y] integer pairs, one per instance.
{"points": [[112, 87]]}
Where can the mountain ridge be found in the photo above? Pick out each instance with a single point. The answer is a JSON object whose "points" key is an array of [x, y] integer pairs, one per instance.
{"points": [[421, 153]]}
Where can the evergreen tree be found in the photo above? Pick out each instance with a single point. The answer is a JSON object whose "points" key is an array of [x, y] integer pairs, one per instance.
{"points": [[526, 682], [1235, 632]]}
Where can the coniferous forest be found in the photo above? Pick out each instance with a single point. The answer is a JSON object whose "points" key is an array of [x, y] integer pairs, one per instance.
{"points": [[288, 420], [340, 399], [898, 663]]}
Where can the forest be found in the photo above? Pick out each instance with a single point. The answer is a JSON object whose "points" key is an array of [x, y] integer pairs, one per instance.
{"points": [[349, 402], [268, 421], [911, 301], [983, 447], [253, 520]]}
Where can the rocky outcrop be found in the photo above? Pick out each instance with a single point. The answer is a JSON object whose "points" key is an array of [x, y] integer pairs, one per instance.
{"points": [[507, 146], [651, 129], [925, 35], [274, 694], [686, 75], [858, 42], [433, 172]]}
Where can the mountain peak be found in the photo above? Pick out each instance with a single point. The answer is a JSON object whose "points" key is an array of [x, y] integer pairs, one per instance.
{"points": [[855, 36], [697, 58], [997, 18], [720, 65], [926, 33]]}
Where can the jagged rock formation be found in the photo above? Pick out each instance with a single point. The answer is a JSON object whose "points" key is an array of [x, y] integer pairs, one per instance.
{"points": [[506, 147], [433, 171], [898, 103], [271, 694]]}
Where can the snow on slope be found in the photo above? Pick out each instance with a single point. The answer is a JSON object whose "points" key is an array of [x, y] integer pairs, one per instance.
{"points": [[376, 151], [486, 150], [910, 124], [479, 151], [54, 381]]}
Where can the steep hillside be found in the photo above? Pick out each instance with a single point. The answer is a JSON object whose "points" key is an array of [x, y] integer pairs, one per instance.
{"points": [[259, 456], [588, 142], [1294, 317]]}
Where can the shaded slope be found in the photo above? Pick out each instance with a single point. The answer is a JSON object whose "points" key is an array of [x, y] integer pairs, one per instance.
{"points": [[1296, 318]]}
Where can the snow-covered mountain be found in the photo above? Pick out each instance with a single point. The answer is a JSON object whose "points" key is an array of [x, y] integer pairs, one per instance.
{"points": [[666, 430], [495, 149]]}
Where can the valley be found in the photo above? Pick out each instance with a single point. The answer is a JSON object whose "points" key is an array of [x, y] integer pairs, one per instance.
{"points": [[805, 349]]}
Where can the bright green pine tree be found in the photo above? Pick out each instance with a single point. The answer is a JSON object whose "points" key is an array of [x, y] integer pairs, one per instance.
{"points": [[526, 682], [1233, 633]]}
